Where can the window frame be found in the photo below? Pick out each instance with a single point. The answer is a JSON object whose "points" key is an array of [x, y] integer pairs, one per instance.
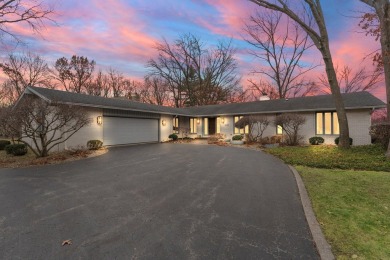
{"points": [[324, 125], [175, 123], [193, 125], [244, 130]]}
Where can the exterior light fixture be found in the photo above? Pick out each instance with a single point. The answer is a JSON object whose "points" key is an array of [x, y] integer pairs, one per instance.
{"points": [[163, 122], [222, 120], [198, 121], [99, 120]]}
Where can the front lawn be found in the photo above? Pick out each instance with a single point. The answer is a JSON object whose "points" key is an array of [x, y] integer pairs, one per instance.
{"points": [[353, 207], [366, 157]]}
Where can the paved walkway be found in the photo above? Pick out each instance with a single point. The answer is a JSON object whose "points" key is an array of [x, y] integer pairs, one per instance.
{"points": [[159, 201]]}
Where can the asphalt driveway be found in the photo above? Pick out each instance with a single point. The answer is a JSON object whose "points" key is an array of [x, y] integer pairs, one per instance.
{"points": [[158, 201]]}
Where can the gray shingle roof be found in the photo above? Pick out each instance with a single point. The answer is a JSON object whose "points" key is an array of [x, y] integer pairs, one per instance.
{"points": [[314, 103], [95, 101]]}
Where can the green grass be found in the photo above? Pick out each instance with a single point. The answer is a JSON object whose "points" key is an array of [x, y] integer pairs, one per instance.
{"points": [[353, 208], [366, 157]]}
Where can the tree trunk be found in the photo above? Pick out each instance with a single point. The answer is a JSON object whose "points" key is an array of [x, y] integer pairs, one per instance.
{"points": [[384, 16], [337, 98]]}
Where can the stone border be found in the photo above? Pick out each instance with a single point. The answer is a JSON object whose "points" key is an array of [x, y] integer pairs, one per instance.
{"points": [[323, 248]]}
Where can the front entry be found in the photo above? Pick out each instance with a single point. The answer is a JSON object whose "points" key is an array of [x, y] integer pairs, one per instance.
{"points": [[212, 126]]}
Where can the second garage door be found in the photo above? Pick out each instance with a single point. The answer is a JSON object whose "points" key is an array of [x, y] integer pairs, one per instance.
{"points": [[119, 130]]}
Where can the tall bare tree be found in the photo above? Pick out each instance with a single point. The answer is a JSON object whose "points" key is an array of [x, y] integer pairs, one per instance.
{"points": [[382, 10], [74, 74], [120, 86], [196, 75], [310, 18], [279, 45], [354, 81], [99, 86], [22, 71], [46, 124], [30, 12], [154, 91]]}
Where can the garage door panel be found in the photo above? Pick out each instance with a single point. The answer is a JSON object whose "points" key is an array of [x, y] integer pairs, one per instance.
{"points": [[118, 130]]}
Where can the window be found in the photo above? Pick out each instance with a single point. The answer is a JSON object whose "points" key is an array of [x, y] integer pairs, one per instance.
{"points": [[327, 123], [279, 130], [206, 126], [218, 125], [193, 125], [240, 130], [175, 124]]}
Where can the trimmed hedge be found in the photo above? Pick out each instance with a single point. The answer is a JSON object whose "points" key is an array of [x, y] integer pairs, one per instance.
{"points": [[4, 143], [94, 144], [237, 137], [16, 149], [336, 141], [316, 140], [174, 137]]}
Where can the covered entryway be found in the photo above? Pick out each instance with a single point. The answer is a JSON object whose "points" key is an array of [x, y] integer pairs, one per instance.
{"points": [[122, 130]]}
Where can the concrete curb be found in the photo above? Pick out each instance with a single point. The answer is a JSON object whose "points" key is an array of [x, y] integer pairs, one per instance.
{"points": [[324, 249]]}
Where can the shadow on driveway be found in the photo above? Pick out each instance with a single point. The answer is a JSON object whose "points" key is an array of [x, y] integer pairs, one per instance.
{"points": [[157, 201]]}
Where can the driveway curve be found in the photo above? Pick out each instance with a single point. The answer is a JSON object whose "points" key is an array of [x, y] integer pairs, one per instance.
{"points": [[158, 201]]}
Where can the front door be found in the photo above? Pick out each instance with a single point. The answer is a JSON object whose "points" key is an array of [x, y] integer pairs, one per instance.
{"points": [[212, 126]]}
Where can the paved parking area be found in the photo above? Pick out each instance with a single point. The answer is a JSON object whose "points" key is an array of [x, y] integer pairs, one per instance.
{"points": [[157, 201]]}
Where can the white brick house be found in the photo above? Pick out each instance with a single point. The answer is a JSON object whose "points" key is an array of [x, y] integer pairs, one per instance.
{"points": [[118, 121]]}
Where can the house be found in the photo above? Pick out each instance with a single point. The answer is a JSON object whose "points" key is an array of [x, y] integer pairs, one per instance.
{"points": [[118, 121]]}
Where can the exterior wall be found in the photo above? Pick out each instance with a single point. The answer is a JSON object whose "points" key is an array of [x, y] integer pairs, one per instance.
{"points": [[167, 129], [91, 132], [359, 123]]}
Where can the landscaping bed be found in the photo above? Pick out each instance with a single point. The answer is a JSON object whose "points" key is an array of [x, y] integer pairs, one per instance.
{"points": [[10, 161], [365, 157]]}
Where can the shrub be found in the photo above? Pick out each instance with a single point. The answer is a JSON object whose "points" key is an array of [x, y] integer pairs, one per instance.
{"points": [[380, 133], [16, 149], [4, 143], [315, 140], [8, 149], [336, 141], [265, 140], [174, 137], [94, 144], [237, 137], [276, 139], [291, 124]]}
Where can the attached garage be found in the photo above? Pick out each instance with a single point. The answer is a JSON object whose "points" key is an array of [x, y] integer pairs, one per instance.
{"points": [[118, 130]]}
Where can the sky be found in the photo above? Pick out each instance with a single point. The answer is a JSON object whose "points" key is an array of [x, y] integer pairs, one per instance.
{"points": [[122, 33]]}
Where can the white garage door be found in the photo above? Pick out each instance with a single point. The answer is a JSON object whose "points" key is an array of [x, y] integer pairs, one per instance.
{"points": [[119, 130]]}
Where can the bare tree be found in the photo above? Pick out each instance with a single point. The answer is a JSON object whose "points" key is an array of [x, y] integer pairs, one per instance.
{"points": [[31, 12], [311, 19], [23, 71], [195, 75], [257, 125], [354, 81], [381, 8], [155, 91], [119, 85], [74, 74], [280, 45], [291, 124], [45, 124]]}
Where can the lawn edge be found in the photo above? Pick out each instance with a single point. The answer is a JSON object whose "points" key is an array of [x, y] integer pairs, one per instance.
{"points": [[323, 247]]}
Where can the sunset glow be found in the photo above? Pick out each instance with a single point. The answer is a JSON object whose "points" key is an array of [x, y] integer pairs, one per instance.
{"points": [[121, 34]]}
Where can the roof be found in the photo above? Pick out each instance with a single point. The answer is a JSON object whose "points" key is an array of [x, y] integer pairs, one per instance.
{"points": [[100, 102], [356, 100]]}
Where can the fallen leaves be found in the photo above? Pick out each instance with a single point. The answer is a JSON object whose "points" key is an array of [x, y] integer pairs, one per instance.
{"points": [[66, 242]]}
